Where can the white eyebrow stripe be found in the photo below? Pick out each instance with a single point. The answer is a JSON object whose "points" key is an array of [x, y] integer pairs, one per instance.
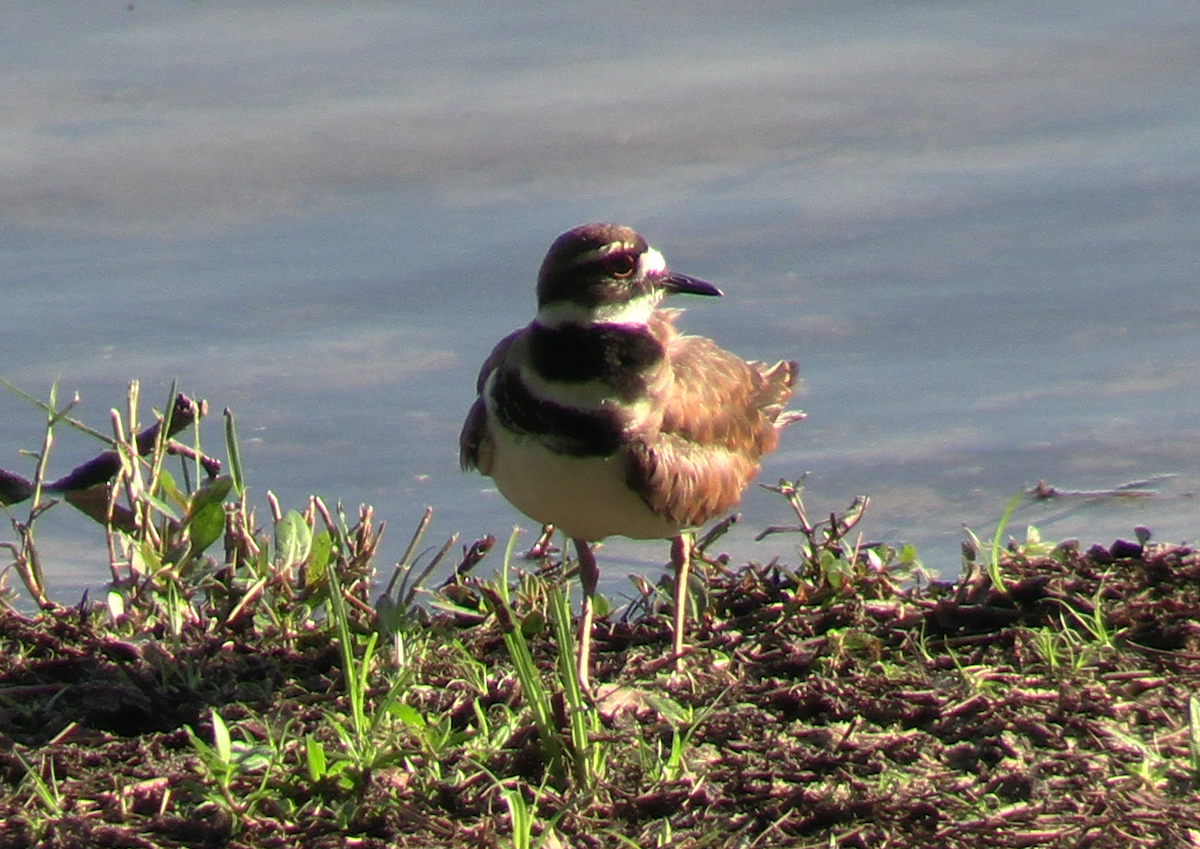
{"points": [[603, 251]]}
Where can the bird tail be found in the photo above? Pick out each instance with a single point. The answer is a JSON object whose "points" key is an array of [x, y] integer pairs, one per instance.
{"points": [[780, 381]]}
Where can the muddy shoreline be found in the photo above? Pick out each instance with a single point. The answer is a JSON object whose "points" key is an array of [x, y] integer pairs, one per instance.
{"points": [[1053, 713]]}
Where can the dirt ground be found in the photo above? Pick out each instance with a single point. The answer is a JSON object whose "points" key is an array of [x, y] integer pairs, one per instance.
{"points": [[1057, 714]]}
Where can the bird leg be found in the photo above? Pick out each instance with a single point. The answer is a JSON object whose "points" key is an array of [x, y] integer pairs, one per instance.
{"points": [[681, 561], [589, 575]]}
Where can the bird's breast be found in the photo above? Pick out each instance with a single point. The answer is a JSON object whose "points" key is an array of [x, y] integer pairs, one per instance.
{"points": [[586, 497], [565, 407]]}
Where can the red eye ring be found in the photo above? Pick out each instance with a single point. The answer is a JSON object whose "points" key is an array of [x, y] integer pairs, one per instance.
{"points": [[620, 265]]}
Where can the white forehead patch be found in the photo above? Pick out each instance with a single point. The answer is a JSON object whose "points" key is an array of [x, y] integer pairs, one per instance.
{"points": [[652, 263]]}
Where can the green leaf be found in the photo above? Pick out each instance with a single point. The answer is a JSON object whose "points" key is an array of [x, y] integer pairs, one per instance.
{"points": [[409, 715], [670, 709], [251, 758], [390, 616], [235, 454], [146, 559], [210, 492], [116, 604], [533, 624], [319, 558], [601, 606], [221, 741], [293, 540], [315, 756], [161, 506], [206, 526], [169, 491], [1194, 733]]}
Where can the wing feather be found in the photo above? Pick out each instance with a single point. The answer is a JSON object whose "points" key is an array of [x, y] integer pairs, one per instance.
{"points": [[475, 444], [720, 415]]}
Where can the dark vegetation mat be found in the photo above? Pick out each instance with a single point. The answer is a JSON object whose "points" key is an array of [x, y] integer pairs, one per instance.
{"points": [[1060, 713]]}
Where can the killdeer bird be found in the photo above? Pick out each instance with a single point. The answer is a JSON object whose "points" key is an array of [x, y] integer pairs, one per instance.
{"points": [[601, 419]]}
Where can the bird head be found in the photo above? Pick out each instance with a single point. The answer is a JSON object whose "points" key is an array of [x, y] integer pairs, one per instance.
{"points": [[606, 274]]}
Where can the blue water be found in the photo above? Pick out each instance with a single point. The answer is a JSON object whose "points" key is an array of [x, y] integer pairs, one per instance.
{"points": [[974, 225]]}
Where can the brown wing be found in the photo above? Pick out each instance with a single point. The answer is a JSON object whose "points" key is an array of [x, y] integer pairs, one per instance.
{"points": [[720, 417], [475, 444], [495, 358]]}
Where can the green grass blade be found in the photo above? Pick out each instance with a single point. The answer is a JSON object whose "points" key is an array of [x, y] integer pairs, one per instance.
{"points": [[994, 559], [536, 697], [235, 454]]}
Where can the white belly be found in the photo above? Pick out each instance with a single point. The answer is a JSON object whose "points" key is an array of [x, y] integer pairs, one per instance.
{"points": [[585, 497]]}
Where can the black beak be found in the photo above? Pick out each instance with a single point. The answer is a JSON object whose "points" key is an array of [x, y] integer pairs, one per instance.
{"points": [[688, 285]]}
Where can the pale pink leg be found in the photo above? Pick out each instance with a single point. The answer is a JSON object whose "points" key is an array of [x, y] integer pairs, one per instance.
{"points": [[681, 561], [589, 576]]}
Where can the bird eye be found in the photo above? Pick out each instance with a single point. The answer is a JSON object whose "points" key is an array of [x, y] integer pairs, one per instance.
{"points": [[620, 265]]}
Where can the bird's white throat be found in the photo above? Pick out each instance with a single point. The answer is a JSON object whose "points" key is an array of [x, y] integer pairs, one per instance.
{"points": [[634, 312]]}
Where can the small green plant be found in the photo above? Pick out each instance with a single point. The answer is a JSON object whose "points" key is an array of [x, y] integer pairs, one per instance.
{"points": [[362, 742], [26, 559], [1194, 736], [522, 815], [44, 789], [827, 554], [1094, 624], [354, 672], [226, 760], [397, 613], [834, 564], [667, 764], [973, 675], [1063, 651], [156, 531], [589, 755], [992, 561], [536, 697], [1151, 769], [577, 755]]}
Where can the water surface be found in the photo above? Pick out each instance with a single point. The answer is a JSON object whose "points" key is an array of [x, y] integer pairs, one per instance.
{"points": [[974, 225]]}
